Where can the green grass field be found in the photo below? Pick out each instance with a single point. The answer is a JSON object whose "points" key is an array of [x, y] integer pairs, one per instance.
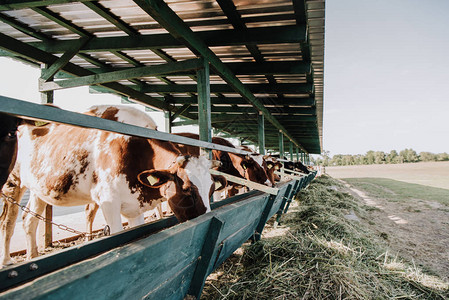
{"points": [[395, 190], [432, 174]]}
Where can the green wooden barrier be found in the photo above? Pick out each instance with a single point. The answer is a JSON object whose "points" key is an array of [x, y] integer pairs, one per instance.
{"points": [[166, 265]]}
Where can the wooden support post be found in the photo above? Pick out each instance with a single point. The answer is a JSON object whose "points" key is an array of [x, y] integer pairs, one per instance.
{"points": [[263, 219], [261, 127], [168, 121], [297, 154], [204, 107], [45, 229], [281, 208], [281, 145], [291, 151], [299, 186], [205, 261]]}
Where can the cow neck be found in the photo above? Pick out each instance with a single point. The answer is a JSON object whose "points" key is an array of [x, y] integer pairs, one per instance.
{"points": [[165, 154]]}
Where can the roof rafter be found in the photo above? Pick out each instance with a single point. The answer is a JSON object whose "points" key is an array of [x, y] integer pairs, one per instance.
{"points": [[31, 53], [225, 37]]}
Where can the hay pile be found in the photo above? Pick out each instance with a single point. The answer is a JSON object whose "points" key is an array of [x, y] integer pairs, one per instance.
{"points": [[324, 255]]}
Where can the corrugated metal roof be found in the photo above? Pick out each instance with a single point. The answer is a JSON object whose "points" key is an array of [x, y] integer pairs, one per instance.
{"points": [[263, 42]]}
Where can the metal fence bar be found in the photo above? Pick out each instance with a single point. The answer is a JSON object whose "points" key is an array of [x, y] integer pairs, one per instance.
{"points": [[48, 113], [248, 183]]}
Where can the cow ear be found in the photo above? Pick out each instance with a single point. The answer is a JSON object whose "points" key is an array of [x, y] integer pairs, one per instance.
{"points": [[220, 182], [155, 178], [182, 160]]}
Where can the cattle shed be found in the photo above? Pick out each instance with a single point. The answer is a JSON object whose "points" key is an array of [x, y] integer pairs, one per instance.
{"points": [[246, 69]]}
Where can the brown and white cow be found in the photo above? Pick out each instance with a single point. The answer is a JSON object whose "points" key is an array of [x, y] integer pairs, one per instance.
{"points": [[243, 166], [65, 165], [8, 145], [267, 162]]}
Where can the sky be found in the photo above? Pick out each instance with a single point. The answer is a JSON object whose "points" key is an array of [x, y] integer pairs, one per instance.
{"points": [[386, 76], [386, 80]]}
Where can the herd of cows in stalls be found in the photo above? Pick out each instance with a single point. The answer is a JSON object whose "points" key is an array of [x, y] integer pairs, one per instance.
{"points": [[67, 166]]}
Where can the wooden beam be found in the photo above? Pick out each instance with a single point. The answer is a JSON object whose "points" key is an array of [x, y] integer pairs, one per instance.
{"points": [[171, 67], [289, 88], [49, 72], [261, 133], [226, 37], [248, 183], [242, 110], [23, 28], [206, 262], [21, 4], [256, 68], [106, 14], [204, 107]]}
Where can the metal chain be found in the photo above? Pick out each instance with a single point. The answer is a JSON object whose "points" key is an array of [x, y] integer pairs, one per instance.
{"points": [[44, 219]]}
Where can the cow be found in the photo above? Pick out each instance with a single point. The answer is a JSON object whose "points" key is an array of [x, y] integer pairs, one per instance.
{"points": [[296, 166], [242, 166], [67, 166], [8, 145], [267, 162]]}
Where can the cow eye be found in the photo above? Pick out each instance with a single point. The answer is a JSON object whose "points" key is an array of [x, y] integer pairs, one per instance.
{"points": [[11, 135]]}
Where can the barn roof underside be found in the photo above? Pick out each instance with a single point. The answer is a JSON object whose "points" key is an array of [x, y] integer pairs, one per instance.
{"points": [[266, 58]]}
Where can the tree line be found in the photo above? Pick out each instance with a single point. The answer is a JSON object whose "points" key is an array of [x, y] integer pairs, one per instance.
{"points": [[378, 157]]}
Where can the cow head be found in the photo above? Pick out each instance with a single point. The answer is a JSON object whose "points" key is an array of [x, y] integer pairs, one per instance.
{"points": [[271, 165], [301, 168], [187, 186], [8, 145], [254, 171]]}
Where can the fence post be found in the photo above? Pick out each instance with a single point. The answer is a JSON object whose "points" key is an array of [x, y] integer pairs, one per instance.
{"points": [[45, 228], [281, 208], [204, 106], [261, 128], [205, 262]]}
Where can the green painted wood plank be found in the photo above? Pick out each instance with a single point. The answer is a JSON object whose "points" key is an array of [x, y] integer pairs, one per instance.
{"points": [[65, 257], [263, 218], [23, 27], [227, 37], [281, 144], [171, 67], [138, 269], [261, 133], [258, 68], [290, 88], [235, 241], [27, 109], [205, 264], [21, 4], [62, 61], [109, 16], [282, 205], [40, 56], [204, 107], [248, 183], [55, 17]]}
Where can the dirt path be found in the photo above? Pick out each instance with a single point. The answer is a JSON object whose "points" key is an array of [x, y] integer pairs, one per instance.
{"points": [[417, 230]]}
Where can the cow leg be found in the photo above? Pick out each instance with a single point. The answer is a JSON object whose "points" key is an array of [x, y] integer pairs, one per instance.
{"points": [[217, 196], [8, 217], [159, 210], [111, 213], [30, 222], [133, 222], [90, 210]]}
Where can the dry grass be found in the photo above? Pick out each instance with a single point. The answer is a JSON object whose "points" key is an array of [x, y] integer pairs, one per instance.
{"points": [[322, 256]]}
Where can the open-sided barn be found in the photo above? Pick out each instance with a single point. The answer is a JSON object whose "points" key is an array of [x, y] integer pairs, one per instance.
{"points": [[247, 69]]}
